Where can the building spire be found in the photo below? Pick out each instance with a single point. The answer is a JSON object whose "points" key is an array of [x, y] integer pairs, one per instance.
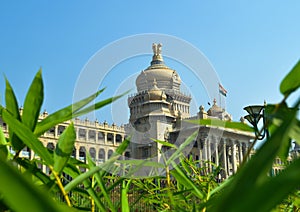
{"points": [[157, 56]]}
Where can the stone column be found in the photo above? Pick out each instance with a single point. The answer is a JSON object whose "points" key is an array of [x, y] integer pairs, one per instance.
{"points": [[114, 139], [96, 135], [209, 153], [225, 158], [234, 157], [241, 152], [87, 134], [105, 137], [204, 151], [56, 131], [216, 152], [229, 162]]}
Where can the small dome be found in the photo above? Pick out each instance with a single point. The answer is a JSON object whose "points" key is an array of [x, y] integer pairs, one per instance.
{"points": [[218, 112], [215, 110], [155, 93]]}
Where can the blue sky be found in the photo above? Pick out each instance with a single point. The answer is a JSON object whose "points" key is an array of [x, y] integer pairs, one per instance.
{"points": [[251, 45]]}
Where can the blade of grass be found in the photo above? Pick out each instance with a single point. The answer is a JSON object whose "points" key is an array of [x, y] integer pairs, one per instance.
{"points": [[64, 148], [33, 102], [13, 108], [64, 114]]}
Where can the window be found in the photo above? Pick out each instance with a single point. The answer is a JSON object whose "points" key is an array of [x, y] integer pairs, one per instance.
{"points": [[110, 137], [118, 138], [110, 152], [82, 134], [101, 155]]}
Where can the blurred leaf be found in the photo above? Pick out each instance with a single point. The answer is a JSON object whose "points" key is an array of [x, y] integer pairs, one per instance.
{"points": [[25, 134], [124, 198], [164, 143], [143, 162], [96, 106], [221, 123], [64, 148], [291, 82], [31, 165], [181, 178], [3, 146], [33, 102], [62, 115], [13, 108], [182, 146], [102, 187], [21, 195], [275, 115], [253, 173], [107, 166], [295, 132]]}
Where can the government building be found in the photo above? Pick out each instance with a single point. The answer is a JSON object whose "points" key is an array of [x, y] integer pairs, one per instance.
{"points": [[159, 110]]}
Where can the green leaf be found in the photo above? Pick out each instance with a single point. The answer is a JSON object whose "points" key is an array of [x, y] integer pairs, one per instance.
{"points": [[124, 198], [26, 135], [96, 106], [253, 173], [224, 124], [3, 146], [295, 132], [166, 144], [13, 108], [33, 101], [292, 81], [34, 170], [182, 146], [21, 195], [141, 162], [101, 185], [62, 115], [181, 177], [64, 148]]}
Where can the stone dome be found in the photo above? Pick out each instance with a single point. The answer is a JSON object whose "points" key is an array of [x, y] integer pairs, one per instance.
{"points": [[166, 78]]}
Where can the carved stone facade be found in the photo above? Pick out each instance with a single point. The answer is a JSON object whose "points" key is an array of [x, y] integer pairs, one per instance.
{"points": [[161, 111]]}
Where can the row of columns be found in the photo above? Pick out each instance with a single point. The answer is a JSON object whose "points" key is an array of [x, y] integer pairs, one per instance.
{"points": [[229, 155]]}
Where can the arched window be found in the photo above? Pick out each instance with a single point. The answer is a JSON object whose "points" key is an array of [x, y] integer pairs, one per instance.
{"points": [[82, 153], [118, 138], [92, 135], [50, 146], [60, 129], [110, 137], [81, 134], [73, 153], [101, 137], [110, 152], [101, 155], [93, 153]]}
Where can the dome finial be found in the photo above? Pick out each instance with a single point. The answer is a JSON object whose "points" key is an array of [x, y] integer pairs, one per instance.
{"points": [[215, 101], [157, 57]]}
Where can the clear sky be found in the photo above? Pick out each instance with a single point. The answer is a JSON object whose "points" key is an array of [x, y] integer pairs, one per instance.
{"points": [[251, 45]]}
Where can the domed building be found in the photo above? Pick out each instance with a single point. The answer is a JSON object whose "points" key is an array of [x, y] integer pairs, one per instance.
{"points": [[160, 111]]}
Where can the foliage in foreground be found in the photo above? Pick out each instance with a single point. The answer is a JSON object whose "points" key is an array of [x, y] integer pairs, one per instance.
{"points": [[183, 188]]}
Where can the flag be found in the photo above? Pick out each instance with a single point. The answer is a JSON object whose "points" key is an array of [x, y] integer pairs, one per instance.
{"points": [[222, 90]]}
